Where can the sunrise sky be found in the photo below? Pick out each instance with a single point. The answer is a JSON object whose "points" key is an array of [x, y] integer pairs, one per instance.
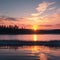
{"points": [[30, 12]]}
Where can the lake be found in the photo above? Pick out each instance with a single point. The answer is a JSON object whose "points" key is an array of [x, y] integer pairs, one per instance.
{"points": [[32, 37], [30, 52]]}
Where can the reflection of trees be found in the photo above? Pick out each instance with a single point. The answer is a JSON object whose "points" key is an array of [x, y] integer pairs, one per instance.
{"points": [[17, 43], [9, 47]]}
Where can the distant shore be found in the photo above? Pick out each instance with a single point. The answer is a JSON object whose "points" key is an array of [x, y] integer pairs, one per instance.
{"points": [[15, 30], [28, 31], [54, 43]]}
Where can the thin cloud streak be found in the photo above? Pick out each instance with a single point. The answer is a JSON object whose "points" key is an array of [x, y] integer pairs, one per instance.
{"points": [[42, 7]]}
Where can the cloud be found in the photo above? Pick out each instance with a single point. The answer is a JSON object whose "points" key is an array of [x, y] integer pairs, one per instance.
{"points": [[4, 20], [48, 19], [7, 18], [52, 17], [35, 14], [52, 8], [18, 22], [42, 7]]}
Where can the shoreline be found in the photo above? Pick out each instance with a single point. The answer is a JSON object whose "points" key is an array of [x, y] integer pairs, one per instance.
{"points": [[28, 31]]}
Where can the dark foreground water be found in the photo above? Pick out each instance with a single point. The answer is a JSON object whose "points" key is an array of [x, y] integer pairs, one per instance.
{"points": [[29, 53]]}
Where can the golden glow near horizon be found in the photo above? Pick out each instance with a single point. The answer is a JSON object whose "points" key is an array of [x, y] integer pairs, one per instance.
{"points": [[35, 37], [35, 27]]}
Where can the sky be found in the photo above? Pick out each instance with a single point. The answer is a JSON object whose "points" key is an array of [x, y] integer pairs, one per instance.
{"points": [[30, 12]]}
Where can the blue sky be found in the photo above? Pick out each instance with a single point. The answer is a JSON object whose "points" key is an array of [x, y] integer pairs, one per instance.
{"points": [[21, 8]]}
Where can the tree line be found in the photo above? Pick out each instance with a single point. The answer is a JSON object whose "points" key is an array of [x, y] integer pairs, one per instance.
{"points": [[16, 30]]}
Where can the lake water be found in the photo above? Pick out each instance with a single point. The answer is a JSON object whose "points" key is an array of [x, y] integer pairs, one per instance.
{"points": [[34, 37], [30, 52]]}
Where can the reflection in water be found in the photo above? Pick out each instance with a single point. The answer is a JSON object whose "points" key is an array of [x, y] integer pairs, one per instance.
{"points": [[35, 37], [39, 37], [36, 51], [43, 56], [32, 52]]}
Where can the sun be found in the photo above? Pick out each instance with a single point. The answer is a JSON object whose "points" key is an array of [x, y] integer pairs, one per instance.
{"points": [[35, 27]]}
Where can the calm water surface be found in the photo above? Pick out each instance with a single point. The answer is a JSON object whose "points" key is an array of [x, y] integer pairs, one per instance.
{"points": [[29, 52], [35, 37]]}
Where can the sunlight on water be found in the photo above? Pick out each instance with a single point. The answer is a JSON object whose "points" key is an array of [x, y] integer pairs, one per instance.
{"points": [[35, 37], [36, 51], [32, 37], [43, 56], [31, 52]]}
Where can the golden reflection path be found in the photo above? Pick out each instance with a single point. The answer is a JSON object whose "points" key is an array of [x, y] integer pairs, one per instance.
{"points": [[35, 37], [36, 50]]}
